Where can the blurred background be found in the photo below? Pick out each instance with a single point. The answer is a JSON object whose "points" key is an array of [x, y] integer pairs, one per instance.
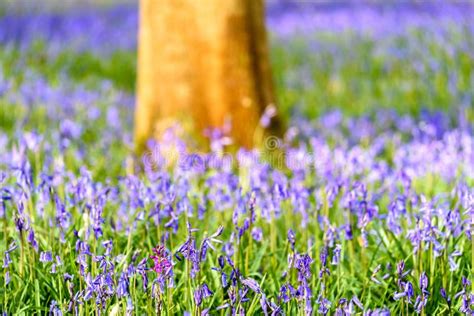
{"points": [[74, 63], [348, 55]]}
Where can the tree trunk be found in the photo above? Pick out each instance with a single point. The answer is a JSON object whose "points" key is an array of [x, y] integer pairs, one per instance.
{"points": [[201, 62]]}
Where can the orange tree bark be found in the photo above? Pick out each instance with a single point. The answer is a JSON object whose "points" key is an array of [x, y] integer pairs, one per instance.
{"points": [[199, 63]]}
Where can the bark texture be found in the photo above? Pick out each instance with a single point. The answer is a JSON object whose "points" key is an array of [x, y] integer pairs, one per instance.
{"points": [[201, 62]]}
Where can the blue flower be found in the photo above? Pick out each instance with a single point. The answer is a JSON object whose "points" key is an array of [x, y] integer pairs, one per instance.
{"points": [[46, 256]]}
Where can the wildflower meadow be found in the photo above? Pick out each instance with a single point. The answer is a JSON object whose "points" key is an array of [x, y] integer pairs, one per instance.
{"points": [[364, 207]]}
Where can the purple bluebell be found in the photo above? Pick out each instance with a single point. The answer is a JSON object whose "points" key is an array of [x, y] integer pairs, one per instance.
{"points": [[6, 255], [336, 257], [252, 285], [257, 234], [122, 286], [201, 292], [54, 309], [323, 305], [130, 307], [46, 256], [7, 278], [291, 239], [32, 240]]}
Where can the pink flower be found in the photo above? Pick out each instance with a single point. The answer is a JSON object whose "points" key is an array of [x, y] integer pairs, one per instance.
{"points": [[161, 262]]}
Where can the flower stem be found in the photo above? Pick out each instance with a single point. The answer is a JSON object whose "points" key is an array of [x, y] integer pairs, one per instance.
{"points": [[22, 253]]}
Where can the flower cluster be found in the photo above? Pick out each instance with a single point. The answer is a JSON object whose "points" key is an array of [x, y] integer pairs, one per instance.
{"points": [[367, 214]]}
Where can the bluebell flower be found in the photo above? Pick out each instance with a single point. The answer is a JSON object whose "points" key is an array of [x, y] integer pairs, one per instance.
{"points": [[323, 305], [32, 240], [130, 306], [446, 297], [68, 277], [291, 239], [202, 292], [46, 256], [6, 255], [7, 278], [257, 234], [122, 286], [54, 309], [286, 293], [336, 258], [252, 285]]}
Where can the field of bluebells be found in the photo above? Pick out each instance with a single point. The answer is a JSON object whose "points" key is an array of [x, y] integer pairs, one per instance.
{"points": [[364, 207]]}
